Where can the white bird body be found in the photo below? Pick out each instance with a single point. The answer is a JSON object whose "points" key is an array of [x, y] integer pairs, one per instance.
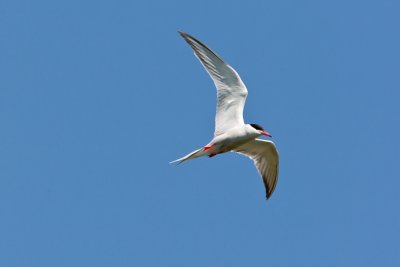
{"points": [[225, 142], [233, 138], [231, 133]]}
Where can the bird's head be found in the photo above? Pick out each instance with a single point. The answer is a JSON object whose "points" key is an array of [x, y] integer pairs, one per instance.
{"points": [[260, 130]]}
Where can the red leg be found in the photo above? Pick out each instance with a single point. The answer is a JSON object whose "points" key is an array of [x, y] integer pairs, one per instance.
{"points": [[207, 147]]}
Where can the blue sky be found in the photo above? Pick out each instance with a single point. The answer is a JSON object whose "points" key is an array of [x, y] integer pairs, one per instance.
{"points": [[96, 97]]}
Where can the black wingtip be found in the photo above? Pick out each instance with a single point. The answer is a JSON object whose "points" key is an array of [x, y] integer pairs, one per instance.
{"points": [[192, 41], [183, 34], [268, 193]]}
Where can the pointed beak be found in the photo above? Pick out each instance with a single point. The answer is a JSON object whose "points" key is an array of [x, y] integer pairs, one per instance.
{"points": [[266, 134]]}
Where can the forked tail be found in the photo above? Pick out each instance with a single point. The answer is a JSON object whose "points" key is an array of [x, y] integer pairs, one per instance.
{"points": [[195, 154]]}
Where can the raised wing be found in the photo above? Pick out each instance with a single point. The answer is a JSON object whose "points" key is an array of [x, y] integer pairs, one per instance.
{"points": [[266, 159], [231, 91]]}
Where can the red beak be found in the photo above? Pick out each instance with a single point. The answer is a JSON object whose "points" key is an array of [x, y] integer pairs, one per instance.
{"points": [[266, 134]]}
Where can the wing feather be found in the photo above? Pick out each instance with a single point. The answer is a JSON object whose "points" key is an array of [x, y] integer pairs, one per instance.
{"points": [[231, 91], [266, 159]]}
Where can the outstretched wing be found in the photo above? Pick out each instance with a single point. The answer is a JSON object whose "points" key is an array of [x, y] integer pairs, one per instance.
{"points": [[231, 91], [266, 159]]}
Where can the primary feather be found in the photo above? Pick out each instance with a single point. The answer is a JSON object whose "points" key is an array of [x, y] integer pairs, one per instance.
{"points": [[231, 91]]}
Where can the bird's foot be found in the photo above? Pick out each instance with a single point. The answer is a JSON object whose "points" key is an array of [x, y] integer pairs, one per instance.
{"points": [[212, 155], [207, 147]]}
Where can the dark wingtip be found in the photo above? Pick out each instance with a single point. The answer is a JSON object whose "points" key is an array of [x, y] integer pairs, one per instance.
{"points": [[183, 34], [268, 192]]}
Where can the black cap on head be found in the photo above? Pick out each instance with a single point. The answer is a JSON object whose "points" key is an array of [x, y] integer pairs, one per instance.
{"points": [[257, 127]]}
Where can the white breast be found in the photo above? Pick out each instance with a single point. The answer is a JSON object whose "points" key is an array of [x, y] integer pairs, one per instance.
{"points": [[234, 138]]}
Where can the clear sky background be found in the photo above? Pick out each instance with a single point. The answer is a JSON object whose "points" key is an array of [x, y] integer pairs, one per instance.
{"points": [[96, 97]]}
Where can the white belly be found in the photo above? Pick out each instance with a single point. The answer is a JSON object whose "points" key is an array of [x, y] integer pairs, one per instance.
{"points": [[231, 140]]}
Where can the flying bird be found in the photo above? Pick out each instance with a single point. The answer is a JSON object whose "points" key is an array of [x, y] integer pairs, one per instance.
{"points": [[231, 133]]}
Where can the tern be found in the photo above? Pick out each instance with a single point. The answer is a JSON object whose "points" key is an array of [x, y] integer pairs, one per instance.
{"points": [[231, 133]]}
